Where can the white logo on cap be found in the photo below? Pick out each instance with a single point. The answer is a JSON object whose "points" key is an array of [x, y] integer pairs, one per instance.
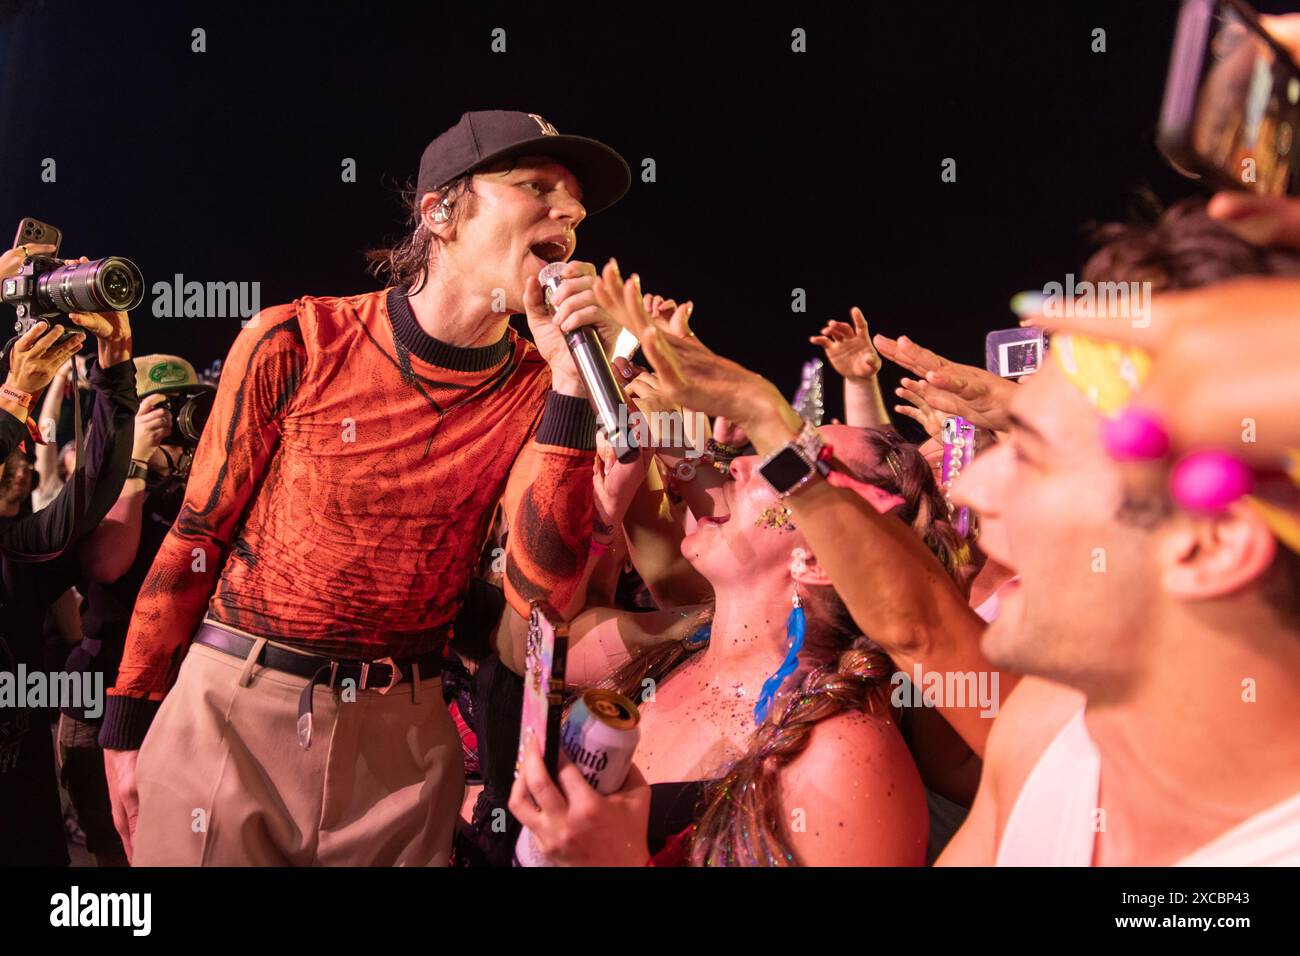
{"points": [[547, 128]]}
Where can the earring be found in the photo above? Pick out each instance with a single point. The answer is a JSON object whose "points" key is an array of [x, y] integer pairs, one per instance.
{"points": [[798, 565], [774, 519], [795, 627]]}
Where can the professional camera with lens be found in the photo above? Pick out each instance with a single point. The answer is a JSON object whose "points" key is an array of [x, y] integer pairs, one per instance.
{"points": [[47, 288], [189, 412]]}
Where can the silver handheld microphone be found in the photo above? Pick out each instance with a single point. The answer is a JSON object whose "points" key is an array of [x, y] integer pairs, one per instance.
{"points": [[597, 376]]}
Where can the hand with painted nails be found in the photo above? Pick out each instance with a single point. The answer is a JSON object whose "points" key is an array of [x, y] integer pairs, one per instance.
{"points": [[952, 388]]}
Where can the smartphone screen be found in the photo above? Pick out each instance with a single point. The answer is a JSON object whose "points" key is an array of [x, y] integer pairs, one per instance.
{"points": [[1232, 104], [1014, 353], [544, 664]]}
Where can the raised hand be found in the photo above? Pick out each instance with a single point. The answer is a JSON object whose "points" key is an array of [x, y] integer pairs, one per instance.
{"points": [[951, 387], [1223, 355], [919, 410], [693, 376], [152, 425], [848, 347]]}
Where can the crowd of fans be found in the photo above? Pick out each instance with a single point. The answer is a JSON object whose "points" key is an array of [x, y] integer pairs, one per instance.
{"points": [[1084, 586], [1128, 592]]}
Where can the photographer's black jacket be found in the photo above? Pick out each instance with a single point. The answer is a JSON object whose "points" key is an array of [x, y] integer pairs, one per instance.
{"points": [[108, 455], [31, 826], [12, 433]]}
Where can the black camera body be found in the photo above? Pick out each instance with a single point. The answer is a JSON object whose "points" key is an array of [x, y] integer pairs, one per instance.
{"points": [[189, 410], [48, 288]]}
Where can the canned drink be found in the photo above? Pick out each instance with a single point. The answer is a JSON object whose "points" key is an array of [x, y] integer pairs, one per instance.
{"points": [[600, 737]]}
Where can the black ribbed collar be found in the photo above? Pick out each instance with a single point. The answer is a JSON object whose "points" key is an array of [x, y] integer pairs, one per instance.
{"points": [[435, 351]]}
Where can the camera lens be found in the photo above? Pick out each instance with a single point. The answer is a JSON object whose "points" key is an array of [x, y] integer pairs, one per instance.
{"points": [[104, 285], [116, 285], [193, 415]]}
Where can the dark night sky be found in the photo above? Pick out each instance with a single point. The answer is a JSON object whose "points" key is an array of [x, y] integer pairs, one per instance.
{"points": [[775, 170]]}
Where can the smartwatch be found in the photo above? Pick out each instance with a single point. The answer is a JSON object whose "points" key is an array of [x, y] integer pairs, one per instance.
{"points": [[794, 464]]}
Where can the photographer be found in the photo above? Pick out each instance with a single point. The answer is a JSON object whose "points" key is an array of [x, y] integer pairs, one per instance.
{"points": [[31, 828], [115, 560]]}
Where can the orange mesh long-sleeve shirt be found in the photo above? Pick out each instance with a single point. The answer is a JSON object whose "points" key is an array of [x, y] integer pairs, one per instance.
{"points": [[343, 487]]}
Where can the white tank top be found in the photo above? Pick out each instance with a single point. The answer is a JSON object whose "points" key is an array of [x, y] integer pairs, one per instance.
{"points": [[1055, 818]]}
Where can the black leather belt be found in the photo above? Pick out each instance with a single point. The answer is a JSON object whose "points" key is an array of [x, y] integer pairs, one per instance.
{"points": [[380, 675]]}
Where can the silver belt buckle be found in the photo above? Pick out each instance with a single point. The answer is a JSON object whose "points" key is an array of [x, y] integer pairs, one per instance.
{"points": [[395, 672]]}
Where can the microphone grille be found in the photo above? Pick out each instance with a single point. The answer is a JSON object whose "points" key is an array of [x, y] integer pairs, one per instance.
{"points": [[550, 278], [551, 273]]}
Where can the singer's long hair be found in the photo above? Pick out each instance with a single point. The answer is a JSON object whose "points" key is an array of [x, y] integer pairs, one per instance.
{"points": [[408, 261]]}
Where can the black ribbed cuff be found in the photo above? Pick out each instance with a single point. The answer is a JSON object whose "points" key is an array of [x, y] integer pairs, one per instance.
{"points": [[126, 721], [568, 421]]}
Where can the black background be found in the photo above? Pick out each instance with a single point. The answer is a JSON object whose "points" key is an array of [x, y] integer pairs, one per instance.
{"points": [[775, 170]]}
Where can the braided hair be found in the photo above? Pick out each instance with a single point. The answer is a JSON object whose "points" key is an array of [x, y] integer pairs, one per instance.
{"points": [[742, 823]]}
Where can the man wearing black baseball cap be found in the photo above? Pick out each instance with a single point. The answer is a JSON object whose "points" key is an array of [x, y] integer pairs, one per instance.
{"points": [[336, 507]]}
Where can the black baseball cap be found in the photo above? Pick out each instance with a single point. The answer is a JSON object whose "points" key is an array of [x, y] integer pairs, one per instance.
{"points": [[488, 136]]}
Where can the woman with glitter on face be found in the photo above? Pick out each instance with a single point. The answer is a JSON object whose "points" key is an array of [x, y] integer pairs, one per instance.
{"points": [[825, 778]]}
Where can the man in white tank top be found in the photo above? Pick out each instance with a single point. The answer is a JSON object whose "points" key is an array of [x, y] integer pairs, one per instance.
{"points": [[1160, 727]]}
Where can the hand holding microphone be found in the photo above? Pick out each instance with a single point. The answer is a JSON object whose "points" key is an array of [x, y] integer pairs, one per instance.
{"points": [[564, 317]]}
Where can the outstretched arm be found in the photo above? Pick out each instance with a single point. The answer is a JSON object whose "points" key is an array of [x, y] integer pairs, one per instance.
{"points": [[241, 437]]}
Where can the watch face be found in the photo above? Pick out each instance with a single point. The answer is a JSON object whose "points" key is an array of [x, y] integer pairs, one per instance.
{"points": [[785, 470]]}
